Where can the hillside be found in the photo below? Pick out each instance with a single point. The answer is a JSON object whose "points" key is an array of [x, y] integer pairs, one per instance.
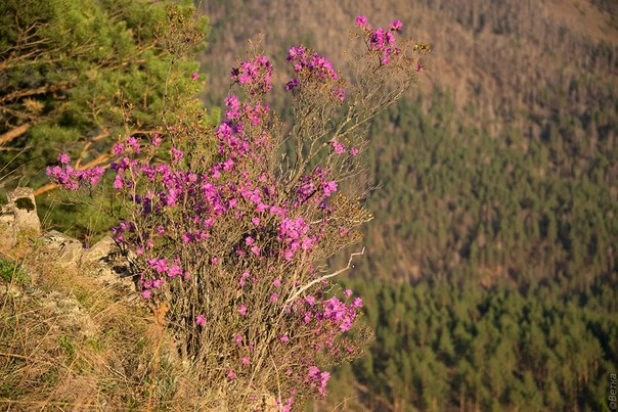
{"points": [[497, 215], [483, 51]]}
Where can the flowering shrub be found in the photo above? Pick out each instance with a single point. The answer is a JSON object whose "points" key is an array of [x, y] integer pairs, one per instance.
{"points": [[236, 242]]}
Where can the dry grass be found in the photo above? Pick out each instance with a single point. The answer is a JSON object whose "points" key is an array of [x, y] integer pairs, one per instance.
{"points": [[67, 342]]}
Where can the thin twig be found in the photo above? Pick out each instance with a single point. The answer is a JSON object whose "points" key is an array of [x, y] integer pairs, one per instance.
{"points": [[313, 282]]}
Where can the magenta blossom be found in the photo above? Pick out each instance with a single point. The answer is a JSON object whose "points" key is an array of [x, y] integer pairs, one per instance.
{"points": [[64, 158], [396, 25], [242, 310]]}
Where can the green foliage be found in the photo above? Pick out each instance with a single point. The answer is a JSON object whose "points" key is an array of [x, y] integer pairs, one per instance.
{"points": [[77, 75], [460, 203], [12, 273], [534, 352]]}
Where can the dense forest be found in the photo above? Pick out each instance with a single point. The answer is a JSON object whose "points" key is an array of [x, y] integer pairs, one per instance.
{"points": [[492, 277]]}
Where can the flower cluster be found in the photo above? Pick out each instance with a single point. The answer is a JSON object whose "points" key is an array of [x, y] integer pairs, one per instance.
{"points": [[318, 379], [293, 234], [70, 178], [310, 65], [381, 40], [303, 59], [316, 186], [255, 73]]}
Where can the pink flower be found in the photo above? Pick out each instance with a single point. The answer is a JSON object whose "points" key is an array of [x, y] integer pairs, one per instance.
{"points": [[338, 147], [233, 105], [357, 303], [156, 140], [238, 339], [348, 293], [313, 372], [200, 320], [277, 282], [284, 338], [339, 94], [177, 154], [306, 244], [173, 271], [292, 84], [160, 265], [194, 76], [329, 188], [64, 158], [118, 183], [231, 375], [274, 297], [245, 360], [249, 241], [118, 149], [361, 21], [242, 310], [396, 25], [243, 277], [146, 294], [353, 151], [132, 141]]}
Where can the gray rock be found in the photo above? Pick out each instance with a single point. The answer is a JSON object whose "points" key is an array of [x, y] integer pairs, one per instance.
{"points": [[23, 205], [19, 216], [105, 259], [101, 250], [68, 251]]}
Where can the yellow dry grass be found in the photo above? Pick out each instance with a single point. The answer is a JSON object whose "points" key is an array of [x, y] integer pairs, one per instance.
{"points": [[67, 342]]}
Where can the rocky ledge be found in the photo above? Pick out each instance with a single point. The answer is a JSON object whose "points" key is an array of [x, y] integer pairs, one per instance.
{"points": [[19, 220]]}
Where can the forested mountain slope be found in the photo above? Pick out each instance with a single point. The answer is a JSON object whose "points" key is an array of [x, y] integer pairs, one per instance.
{"points": [[516, 119], [492, 268]]}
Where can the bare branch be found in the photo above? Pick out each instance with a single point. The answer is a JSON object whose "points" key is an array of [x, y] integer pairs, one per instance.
{"points": [[14, 134], [32, 92], [320, 279]]}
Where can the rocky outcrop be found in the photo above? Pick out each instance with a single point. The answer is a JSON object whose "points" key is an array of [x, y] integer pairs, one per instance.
{"points": [[66, 250], [19, 219], [19, 216]]}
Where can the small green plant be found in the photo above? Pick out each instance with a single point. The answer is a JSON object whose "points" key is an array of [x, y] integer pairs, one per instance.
{"points": [[12, 273]]}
